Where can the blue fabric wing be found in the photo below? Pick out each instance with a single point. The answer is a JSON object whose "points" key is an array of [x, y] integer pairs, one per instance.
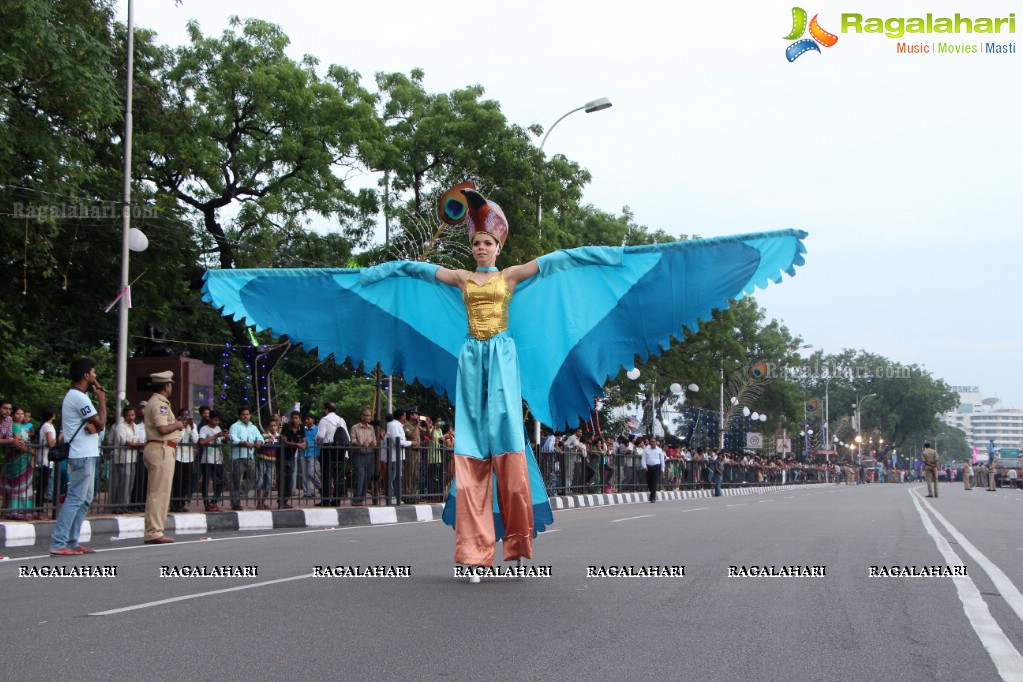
{"points": [[591, 310], [409, 325]]}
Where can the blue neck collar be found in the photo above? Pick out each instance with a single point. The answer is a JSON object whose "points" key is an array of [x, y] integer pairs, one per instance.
{"points": [[479, 269]]}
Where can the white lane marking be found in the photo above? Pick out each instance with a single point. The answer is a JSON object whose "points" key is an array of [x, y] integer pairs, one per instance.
{"points": [[1003, 654], [740, 504], [632, 518], [186, 597], [767, 500], [791, 497], [1001, 581], [696, 509], [281, 533]]}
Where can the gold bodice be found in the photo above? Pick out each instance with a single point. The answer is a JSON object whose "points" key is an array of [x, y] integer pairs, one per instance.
{"points": [[487, 306]]}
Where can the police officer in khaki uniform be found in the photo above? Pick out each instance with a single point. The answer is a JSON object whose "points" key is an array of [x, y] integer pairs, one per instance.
{"points": [[967, 475], [163, 432], [992, 467], [930, 460]]}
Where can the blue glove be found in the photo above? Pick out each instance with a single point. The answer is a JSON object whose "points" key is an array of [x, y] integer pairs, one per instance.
{"points": [[574, 258], [399, 268]]}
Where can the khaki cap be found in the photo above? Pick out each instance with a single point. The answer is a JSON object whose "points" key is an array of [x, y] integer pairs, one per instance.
{"points": [[162, 377]]}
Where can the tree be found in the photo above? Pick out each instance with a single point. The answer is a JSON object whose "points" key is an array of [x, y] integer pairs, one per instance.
{"points": [[234, 124], [238, 123], [61, 117], [903, 410], [433, 141]]}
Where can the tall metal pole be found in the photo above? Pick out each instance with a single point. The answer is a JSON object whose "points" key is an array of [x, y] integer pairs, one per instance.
{"points": [[827, 415], [590, 107], [721, 414], [122, 311]]}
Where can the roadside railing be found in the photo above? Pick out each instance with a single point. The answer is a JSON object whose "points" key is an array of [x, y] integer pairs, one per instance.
{"points": [[333, 476]]}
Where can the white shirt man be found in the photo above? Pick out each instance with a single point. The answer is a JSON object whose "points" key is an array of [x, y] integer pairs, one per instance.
{"points": [[395, 448], [327, 426], [574, 443], [185, 452], [652, 462], [396, 437], [80, 417]]}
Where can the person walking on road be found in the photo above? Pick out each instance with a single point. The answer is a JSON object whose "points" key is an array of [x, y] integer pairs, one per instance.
{"points": [[652, 464], [930, 460]]}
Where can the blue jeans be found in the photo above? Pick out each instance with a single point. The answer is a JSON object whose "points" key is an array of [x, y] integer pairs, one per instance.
{"points": [[264, 475], [76, 504]]}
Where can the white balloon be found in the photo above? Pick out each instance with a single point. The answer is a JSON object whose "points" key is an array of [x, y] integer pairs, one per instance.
{"points": [[734, 400], [676, 388], [763, 417], [137, 240], [633, 374], [755, 416], [745, 412], [694, 388]]}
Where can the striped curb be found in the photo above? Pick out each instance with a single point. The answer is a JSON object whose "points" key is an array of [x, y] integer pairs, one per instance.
{"points": [[22, 534], [604, 499]]}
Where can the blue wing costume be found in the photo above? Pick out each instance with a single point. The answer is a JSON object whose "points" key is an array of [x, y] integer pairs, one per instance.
{"points": [[583, 318]]}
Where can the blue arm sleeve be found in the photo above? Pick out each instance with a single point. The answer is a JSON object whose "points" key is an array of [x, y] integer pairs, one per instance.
{"points": [[424, 271], [560, 261]]}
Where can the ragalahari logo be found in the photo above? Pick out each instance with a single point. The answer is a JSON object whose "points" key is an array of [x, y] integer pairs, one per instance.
{"points": [[817, 35]]}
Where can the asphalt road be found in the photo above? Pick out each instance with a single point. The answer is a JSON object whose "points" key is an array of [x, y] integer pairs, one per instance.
{"points": [[286, 624]]}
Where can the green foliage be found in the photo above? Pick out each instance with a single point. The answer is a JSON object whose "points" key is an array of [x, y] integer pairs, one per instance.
{"points": [[903, 411], [241, 155], [239, 123]]}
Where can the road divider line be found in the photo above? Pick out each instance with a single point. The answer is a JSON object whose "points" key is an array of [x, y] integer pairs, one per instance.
{"points": [[696, 509], [632, 518], [1001, 651], [1009, 593], [186, 597]]}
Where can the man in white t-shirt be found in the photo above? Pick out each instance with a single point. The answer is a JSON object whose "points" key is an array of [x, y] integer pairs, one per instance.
{"points": [[81, 424], [395, 445], [652, 463], [211, 436], [332, 459]]}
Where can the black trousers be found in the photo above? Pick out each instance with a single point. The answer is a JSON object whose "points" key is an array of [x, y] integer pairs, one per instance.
{"points": [[332, 472], [653, 480], [285, 466], [181, 485], [212, 473]]}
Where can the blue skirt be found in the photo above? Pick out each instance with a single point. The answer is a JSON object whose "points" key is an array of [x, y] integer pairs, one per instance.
{"points": [[488, 419]]}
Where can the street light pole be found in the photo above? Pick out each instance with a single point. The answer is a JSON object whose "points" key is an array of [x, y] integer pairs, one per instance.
{"points": [[859, 427], [590, 107], [122, 311], [595, 105], [827, 412]]}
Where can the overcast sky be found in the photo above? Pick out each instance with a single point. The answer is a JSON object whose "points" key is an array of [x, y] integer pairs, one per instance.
{"points": [[904, 169]]}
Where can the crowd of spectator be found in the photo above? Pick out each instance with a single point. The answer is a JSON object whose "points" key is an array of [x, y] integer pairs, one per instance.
{"points": [[305, 458], [581, 462]]}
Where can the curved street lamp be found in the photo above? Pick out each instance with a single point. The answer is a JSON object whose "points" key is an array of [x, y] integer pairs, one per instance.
{"points": [[859, 426], [590, 107]]}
